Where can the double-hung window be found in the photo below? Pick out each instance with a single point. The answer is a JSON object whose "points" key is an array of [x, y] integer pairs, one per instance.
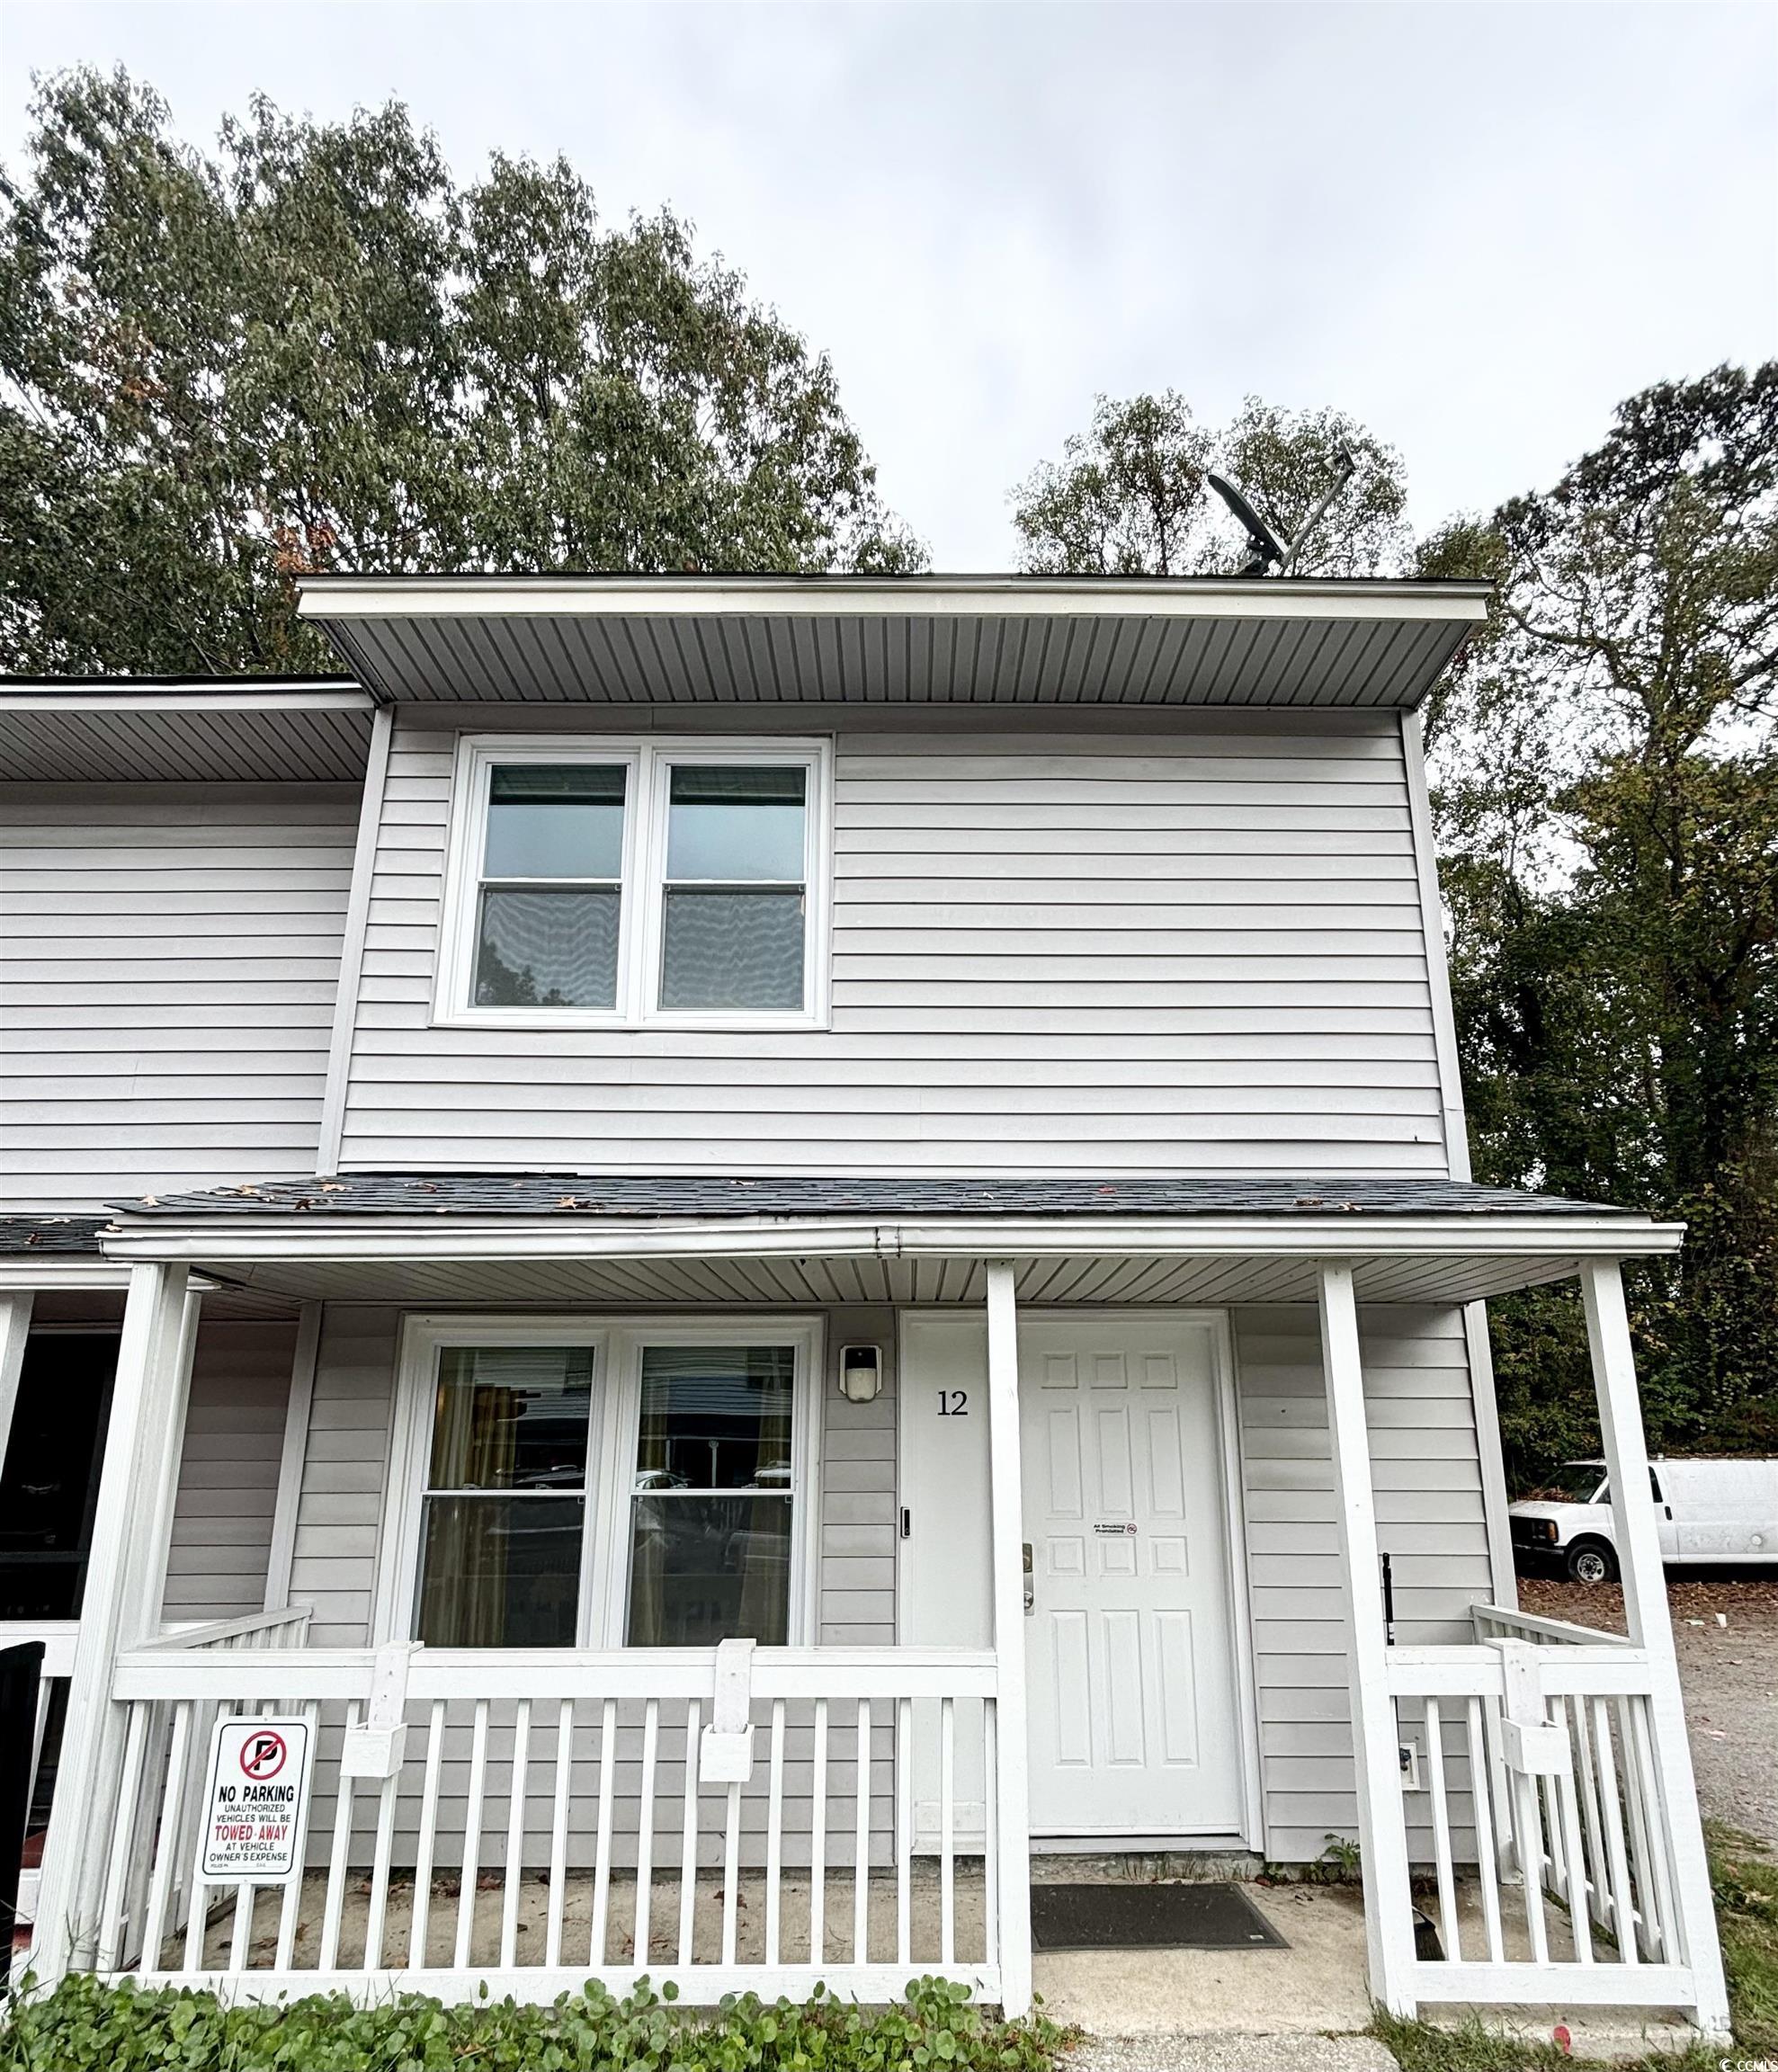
{"points": [[561, 1482], [628, 882]]}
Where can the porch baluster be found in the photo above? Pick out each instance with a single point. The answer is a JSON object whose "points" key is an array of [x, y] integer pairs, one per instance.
{"points": [[904, 1830], [334, 1899], [472, 1813], [601, 1866], [427, 1838], [558, 1833], [818, 1841], [688, 1841], [512, 1869], [860, 1876], [644, 1833], [774, 1834]]}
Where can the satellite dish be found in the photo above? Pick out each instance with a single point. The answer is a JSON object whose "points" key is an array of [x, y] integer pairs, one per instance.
{"points": [[1266, 547]]}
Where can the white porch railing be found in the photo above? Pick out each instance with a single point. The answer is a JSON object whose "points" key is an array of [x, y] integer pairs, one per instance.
{"points": [[545, 1819], [280, 1629], [1537, 1761], [58, 1636]]}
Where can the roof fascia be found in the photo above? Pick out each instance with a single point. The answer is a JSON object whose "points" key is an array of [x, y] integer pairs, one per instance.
{"points": [[250, 1239], [342, 598], [196, 699], [19, 1273]]}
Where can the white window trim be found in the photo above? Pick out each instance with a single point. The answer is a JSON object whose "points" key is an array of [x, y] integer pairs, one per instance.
{"points": [[617, 1344], [649, 763]]}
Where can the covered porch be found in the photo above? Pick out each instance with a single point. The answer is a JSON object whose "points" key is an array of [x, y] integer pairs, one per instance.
{"points": [[759, 1816]]}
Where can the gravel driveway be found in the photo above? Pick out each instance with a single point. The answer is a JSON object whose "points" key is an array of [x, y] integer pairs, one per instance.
{"points": [[1726, 1632]]}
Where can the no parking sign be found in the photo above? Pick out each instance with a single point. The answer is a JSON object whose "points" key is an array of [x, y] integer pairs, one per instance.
{"points": [[257, 1801]]}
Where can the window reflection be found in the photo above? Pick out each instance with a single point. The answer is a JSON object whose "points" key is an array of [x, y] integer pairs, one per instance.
{"points": [[711, 1533]]}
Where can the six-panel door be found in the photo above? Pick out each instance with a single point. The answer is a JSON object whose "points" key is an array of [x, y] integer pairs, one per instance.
{"points": [[1134, 1719]]}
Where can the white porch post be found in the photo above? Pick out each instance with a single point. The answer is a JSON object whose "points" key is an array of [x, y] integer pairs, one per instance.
{"points": [[1651, 1629], [1011, 1826], [120, 1604], [14, 1329], [1389, 1931]]}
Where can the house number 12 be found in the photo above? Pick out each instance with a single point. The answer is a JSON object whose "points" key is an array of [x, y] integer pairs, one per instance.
{"points": [[953, 1403]]}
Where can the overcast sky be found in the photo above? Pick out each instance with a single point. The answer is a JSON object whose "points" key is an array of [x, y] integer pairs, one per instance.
{"points": [[1475, 227]]}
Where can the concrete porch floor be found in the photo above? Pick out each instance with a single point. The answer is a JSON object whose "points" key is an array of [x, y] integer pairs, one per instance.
{"points": [[1139, 2008]]}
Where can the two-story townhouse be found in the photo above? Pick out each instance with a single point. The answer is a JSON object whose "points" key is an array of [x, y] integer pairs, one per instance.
{"points": [[777, 1241]]}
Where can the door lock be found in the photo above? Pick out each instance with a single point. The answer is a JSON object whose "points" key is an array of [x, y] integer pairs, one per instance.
{"points": [[1030, 1582]]}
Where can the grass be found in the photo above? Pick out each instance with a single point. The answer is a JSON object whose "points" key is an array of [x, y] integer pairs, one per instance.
{"points": [[1745, 1877]]}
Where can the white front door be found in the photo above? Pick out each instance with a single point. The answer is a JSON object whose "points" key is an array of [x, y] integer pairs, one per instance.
{"points": [[1135, 1722]]}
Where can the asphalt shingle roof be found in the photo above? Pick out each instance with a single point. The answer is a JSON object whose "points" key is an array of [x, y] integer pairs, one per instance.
{"points": [[564, 1194], [61, 1235]]}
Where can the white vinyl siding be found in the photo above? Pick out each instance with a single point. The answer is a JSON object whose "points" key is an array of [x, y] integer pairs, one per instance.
{"points": [[1198, 944], [168, 959], [228, 1470]]}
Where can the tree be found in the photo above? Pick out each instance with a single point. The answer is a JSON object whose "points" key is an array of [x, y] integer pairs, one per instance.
{"points": [[1130, 496], [313, 349], [1607, 801]]}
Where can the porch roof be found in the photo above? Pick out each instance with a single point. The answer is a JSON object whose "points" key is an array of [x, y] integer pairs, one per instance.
{"points": [[213, 730], [565, 1237], [30, 1236]]}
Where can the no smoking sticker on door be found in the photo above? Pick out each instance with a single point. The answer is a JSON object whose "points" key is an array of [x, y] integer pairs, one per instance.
{"points": [[257, 1801]]}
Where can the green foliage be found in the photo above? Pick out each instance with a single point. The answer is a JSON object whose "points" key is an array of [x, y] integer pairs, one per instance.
{"points": [[1129, 495], [1341, 1861], [1607, 805], [84, 2026], [313, 349], [1745, 1880]]}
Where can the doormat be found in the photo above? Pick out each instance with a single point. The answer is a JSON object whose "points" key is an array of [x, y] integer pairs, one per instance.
{"points": [[1148, 1918]]}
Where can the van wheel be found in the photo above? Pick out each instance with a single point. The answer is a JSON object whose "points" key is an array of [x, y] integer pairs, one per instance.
{"points": [[1592, 1561]]}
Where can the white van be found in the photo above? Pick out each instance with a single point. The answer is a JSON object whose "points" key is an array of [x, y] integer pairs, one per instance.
{"points": [[1704, 1511]]}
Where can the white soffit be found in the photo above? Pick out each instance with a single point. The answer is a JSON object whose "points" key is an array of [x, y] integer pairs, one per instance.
{"points": [[171, 732], [726, 1284], [896, 640]]}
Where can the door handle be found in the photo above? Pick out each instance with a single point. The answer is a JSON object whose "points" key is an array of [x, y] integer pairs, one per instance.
{"points": [[1030, 1582]]}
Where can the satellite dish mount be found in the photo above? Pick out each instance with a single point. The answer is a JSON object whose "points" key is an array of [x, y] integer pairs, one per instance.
{"points": [[1266, 550]]}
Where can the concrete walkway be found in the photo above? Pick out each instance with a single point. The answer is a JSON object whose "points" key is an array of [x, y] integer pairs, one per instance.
{"points": [[1314, 1985], [1301, 2052]]}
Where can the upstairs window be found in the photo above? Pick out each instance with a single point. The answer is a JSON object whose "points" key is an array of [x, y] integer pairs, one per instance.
{"points": [[552, 885], [629, 883], [735, 912]]}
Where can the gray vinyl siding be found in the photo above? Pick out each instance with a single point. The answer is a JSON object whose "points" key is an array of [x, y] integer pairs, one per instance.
{"points": [[344, 1473], [1141, 945], [340, 1510], [338, 1540], [228, 1470], [169, 955], [1424, 1463], [1426, 1476]]}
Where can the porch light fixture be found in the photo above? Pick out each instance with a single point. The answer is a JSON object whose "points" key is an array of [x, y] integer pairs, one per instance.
{"points": [[860, 1372]]}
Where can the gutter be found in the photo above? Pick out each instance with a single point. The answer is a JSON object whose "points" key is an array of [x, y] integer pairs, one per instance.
{"points": [[245, 1239]]}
